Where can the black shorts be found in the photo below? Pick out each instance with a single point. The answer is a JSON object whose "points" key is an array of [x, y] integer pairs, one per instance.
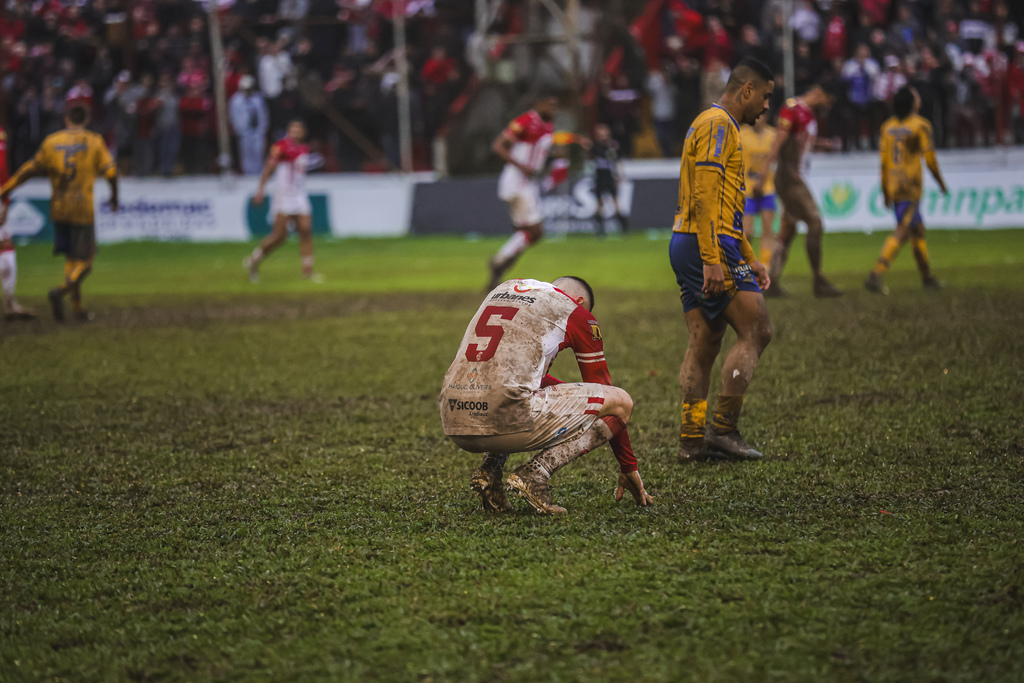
{"points": [[76, 242], [604, 183]]}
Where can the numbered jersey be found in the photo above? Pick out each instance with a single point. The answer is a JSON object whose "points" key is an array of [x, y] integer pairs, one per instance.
{"points": [[506, 352], [73, 160], [292, 163], [902, 144]]}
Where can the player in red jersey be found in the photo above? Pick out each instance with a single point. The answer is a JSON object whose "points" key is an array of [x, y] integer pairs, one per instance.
{"points": [[498, 399], [288, 162], [797, 131], [8, 260], [524, 147]]}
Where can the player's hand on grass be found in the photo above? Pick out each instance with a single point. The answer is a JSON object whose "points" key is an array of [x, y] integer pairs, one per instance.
{"points": [[761, 273], [714, 280], [634, 484]]}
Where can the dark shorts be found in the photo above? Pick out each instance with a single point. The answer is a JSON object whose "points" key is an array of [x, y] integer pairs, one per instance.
{"points": [[908, 214], [76, 242], [684, 253], [756, 205], [604, 183]]}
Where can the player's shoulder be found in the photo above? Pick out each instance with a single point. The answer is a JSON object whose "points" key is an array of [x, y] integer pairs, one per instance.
{"points": [[522, 121], [889, 123], [921, 123]]}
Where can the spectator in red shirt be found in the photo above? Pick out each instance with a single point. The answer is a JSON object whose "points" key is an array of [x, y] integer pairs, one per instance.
{"points": [[834, 45], [439, 67], [195, 109], [719, 45]]}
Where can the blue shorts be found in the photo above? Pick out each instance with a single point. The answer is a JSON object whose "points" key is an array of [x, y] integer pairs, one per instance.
{"points": [[908, 213], [684, 253], [755, 206]]}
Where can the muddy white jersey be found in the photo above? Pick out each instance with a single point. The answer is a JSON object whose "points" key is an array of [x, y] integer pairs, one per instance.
{"points": [[506, 352], [290, 174]]}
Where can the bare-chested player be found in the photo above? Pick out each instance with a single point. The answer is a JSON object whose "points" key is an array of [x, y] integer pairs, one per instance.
{"points": [[498, 399], [797, 131], [288, 162], [524, 147]]}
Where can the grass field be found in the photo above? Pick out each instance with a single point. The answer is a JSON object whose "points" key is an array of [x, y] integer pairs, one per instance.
{"points": [[221, 481]]}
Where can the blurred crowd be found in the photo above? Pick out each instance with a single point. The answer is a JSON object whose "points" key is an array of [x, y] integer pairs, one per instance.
{"points": [[965, 58], [144, 69]]}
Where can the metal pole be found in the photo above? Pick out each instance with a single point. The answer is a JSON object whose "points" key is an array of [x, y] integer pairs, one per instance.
{"points": [[571, 26], [404, 114], [217, 54], [787, 48]]}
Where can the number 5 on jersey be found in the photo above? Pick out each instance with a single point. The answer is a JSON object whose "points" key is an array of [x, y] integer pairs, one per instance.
{"points": [[491, 332]]}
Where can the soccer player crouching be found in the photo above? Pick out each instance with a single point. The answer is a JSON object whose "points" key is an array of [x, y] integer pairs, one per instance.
{"points": [[498, 399], [719, 277], [906, 137]]}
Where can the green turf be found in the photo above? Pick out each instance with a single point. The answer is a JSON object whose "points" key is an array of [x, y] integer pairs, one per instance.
{"points": [[219, 481]]}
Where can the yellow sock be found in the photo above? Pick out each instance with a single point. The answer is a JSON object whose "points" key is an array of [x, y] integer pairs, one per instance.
{"points": [[695, 417], [765, 254], [890, 250], [727, 414], [921, 247], [69, 268]]}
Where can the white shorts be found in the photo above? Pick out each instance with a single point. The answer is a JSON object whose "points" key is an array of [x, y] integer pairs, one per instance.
{"points": [[290, 205], [560, 413], [522, 196]]}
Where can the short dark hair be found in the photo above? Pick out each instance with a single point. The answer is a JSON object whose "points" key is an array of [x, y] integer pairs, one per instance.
{"points": [[749, 69], [903, 102], [585, 285], [77, 114]]}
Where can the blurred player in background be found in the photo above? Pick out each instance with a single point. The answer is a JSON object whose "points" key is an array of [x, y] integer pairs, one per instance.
{"points": [[8, 259], [288, 162], [796, 135], [72, 158], [524, 147], [498, 399], [757, 143], [905, 138], [719, 277], [605, 153]]}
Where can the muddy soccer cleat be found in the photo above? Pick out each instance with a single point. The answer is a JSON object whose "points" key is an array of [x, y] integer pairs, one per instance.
{"points": [[728, 446], [823, 289], [932, 283], [486, 484], [531, 481], [691, 449], [56, 298], [873, 283], [15, 311], [253, 266]]}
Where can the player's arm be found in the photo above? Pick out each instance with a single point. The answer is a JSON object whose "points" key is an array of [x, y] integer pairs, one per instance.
{"points": [[885, 154], [928, 147], [708, 186], [36, 166], [106, 167], [781, 135], [273, 159], [502, 147]]}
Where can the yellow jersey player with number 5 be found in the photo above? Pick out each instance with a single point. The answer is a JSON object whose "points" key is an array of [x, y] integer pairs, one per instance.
{"points": [[905, 138], [72, 159]]}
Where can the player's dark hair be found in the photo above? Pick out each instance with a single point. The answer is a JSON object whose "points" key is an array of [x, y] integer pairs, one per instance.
{"points": [[903, 102], [585, 285], [77, 114], [749, 69]]}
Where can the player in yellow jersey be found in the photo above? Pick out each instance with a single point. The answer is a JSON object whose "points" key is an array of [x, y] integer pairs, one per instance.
{"points": [[757, 143], [73, 159], [906, 137], [719, 277]]}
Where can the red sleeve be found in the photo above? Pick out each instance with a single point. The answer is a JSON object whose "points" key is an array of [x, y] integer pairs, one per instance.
{"points": [[788, 121], [518, 126], [583, 335], [549, 380]]}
